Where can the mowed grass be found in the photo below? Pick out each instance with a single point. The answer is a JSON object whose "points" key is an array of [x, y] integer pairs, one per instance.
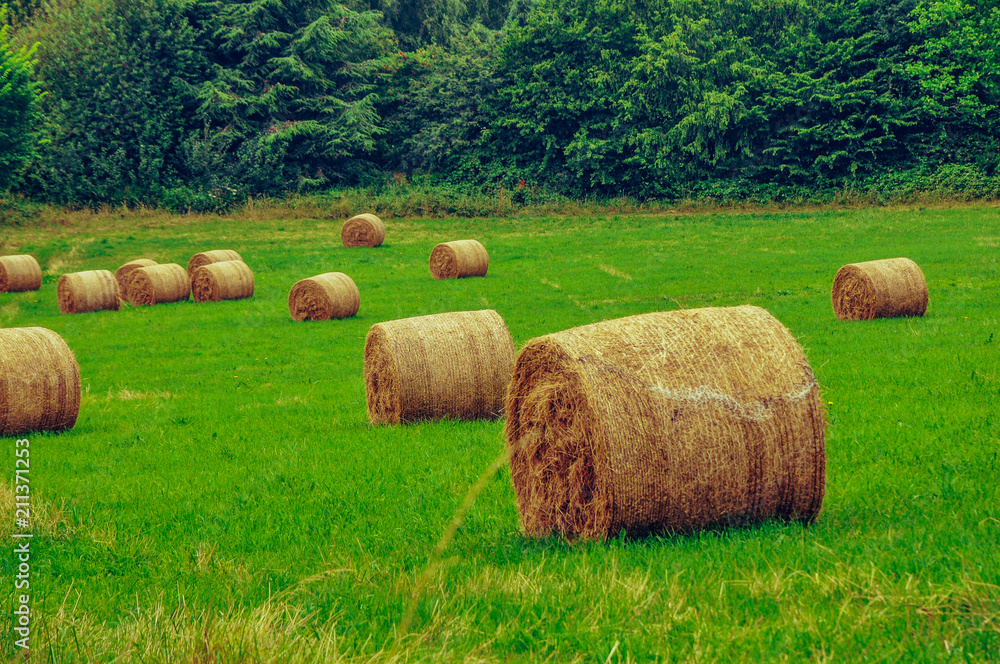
{"points": [[223, 498]]}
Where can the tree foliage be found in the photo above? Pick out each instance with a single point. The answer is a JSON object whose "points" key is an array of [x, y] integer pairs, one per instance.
{"points": [[211, 100], [19, 107]]}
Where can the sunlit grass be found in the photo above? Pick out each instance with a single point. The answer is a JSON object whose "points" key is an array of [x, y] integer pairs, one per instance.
{"points": [[223, 498]]}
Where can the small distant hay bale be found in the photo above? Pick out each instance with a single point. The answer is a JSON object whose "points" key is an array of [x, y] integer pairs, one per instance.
{"points": [[325, 296], [19, 273], [39, 382], [454, 365], [122, 273], [461, 258], [158, 284], [665, 422], [228, 280], [93, 290], [209, 257], [886, 288], [363, 230]]}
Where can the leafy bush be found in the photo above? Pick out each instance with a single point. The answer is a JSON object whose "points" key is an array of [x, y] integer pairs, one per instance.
{"points": [[19, 107], [118, 75]]}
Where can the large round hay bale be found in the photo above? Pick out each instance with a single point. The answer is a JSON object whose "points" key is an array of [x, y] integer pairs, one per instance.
{"points": [[157, 284], [461, 258], [665, 422], [325, 296], [228, 280], [363, 230], [19, 273], [209, 257], [445, 365], [93, 290], [879, 289], [122, 274], [39, 382]]}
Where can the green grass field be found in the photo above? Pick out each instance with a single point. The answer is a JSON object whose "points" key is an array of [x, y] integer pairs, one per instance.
{"points": [[223, 498]]}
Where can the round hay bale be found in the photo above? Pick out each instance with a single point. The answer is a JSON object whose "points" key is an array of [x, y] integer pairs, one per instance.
{"points": [[363, 230], [879, 289], [122, 273], [665, 422], [228, 280], [209, 257], [157, 284], [461, 258], [93, 290], [39, 382], [19, 273], [445, 365], [325, 296]]}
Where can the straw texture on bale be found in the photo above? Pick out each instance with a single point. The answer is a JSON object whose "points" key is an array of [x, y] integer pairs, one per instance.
{"points": [[879, 289], [122, 273], [228, 280], [157, 284], [93, 290], [19, 273], [325, 296], [461, 258], [445, 365], [665, 422], [39, 382], [363, 230], [209, 257]]}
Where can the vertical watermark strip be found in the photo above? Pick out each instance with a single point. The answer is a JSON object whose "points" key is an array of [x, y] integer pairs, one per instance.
{"points": [[22, 543]]}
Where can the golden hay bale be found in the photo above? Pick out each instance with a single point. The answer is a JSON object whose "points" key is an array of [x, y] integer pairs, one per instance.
{"points": [[39, 382], [669, 421], [209, 257], [157, 284], [93, 290], [325, 296], [363, 230], [461, 258], [445, 365], [879, 289], [122, 273], [19, 273], [228, 280]]}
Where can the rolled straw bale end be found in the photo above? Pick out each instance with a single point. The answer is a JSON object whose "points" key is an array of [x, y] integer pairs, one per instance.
{"points": [[325, 296], [382, 392], [93, 290], [886, 288], [460, 258], [665, 422], [39, 382], [209, 257], [158, 284], [122, 274], [19, 273], [363, 230], [228, 280]]}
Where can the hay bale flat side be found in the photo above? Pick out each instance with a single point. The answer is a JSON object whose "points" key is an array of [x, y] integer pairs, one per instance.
{"points": [[122, 274], [209, 257], [665, 422], [39, 382], [93, 290], [19, 273], [363, 230], [228, 280], [325, 296], [454, 364], [460, 258], [886, 288], [158, 284]]}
